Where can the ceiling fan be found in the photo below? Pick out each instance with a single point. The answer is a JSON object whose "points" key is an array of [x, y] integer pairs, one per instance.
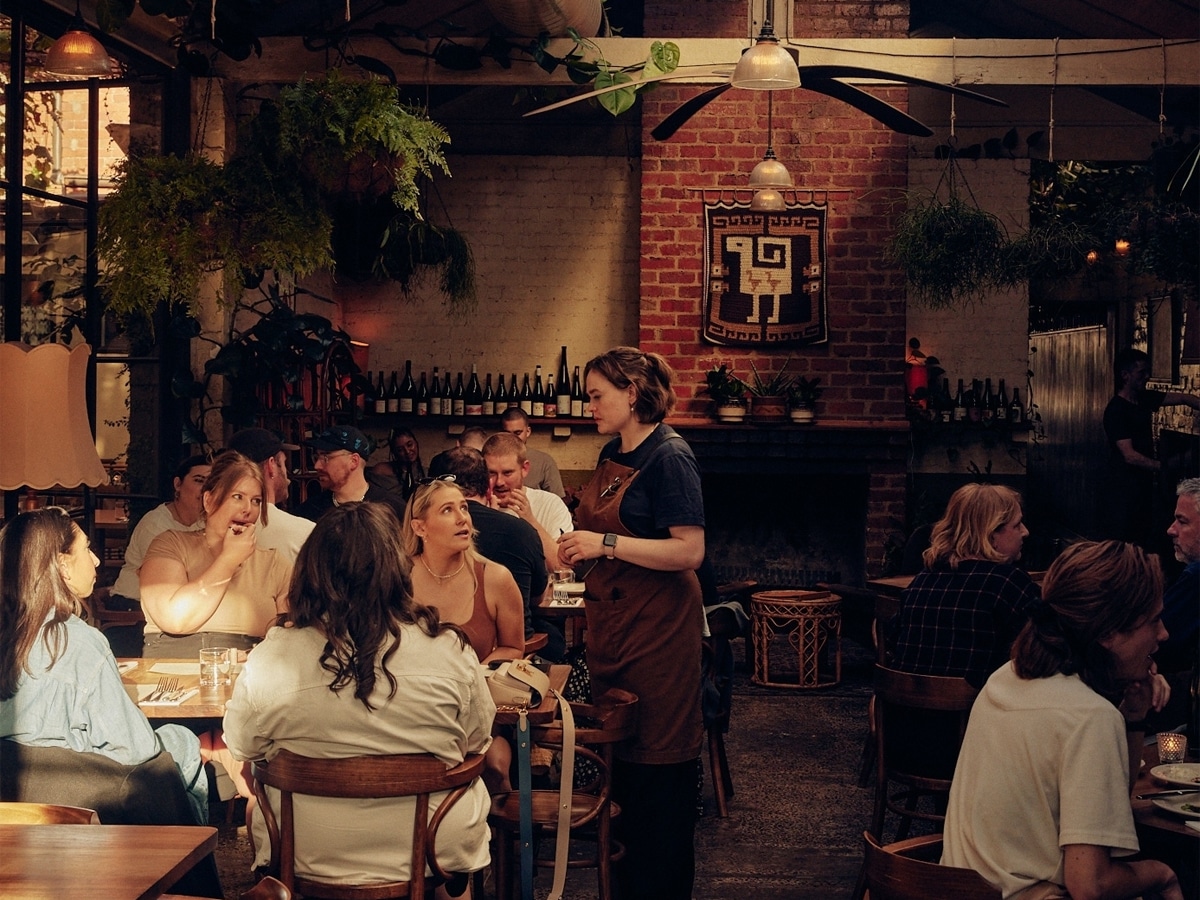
{"points": [[768, 66]]}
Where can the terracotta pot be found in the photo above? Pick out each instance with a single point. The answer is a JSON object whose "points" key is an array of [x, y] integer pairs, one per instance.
{"points": [[529, 18], [769, 410]]}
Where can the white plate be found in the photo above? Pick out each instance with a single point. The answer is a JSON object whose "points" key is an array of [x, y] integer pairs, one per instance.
{"points": [[1182, 774], [1175, 805]]}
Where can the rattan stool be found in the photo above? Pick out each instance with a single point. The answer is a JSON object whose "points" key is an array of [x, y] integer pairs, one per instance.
{"points": [[812, 621]]}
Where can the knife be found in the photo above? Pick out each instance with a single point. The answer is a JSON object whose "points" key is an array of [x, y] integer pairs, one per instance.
{"points": [[1167, 794]]}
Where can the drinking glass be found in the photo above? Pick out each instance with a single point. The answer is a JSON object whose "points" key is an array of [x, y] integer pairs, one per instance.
{"points": [[214, 666]]}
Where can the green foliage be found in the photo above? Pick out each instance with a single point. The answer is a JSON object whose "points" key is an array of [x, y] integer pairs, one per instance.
{"points": [[777, 385], [804, 392], [723, 386], [585, 64]]}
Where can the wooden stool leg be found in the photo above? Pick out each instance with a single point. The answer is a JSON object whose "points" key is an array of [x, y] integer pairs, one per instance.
{"points": [[718, 767]]}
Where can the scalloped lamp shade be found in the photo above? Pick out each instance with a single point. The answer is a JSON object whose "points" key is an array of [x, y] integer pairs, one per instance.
{"points": [[766, 67], [768, 200], [46, 439], [77, 54]]}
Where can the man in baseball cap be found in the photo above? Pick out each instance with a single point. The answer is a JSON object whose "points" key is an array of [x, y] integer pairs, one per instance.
{"points": [[340, 464], [284, 532]]}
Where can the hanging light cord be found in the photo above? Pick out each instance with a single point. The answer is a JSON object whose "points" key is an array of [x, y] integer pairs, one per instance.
{"points": [[1053, 88], [1162, 91]]}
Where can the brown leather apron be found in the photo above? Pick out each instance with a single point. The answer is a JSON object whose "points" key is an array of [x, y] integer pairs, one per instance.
{"points": [[644, 633]]}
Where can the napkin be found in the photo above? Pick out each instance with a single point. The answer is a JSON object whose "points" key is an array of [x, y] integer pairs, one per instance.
{"points": [[1192, 824], [185, 668], [145, 690]]}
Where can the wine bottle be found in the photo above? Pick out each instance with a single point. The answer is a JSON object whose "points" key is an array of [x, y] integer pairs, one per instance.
{"points": [[550, 404], [576, 396], [487, 405], [1001, 402], [393, 394], [458, 402], [539, 394], [408, 390], [435, 394], [960, 404], [447, 393], [380, 396], [526, 397], [368, 397], [945, 404], [1016, 412], [474, 402], [514, 395], [501, 396], [975, 404], [421, 404], [987, 407], [562, 398]]}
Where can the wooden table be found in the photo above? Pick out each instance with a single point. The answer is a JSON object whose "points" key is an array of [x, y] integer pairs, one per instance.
{"points": [[1149, 818], [573, 617], [209, 703], [892, 586], [82, 862]]}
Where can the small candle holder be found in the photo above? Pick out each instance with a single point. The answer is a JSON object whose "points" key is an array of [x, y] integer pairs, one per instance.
{"points": [[1172, 747]]}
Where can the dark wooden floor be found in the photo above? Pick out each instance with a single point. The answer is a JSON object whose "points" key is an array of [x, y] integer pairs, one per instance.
{"points": [[794, 832]]}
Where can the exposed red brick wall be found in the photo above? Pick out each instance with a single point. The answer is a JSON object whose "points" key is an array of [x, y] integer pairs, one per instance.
{"points": [[828, 147]]}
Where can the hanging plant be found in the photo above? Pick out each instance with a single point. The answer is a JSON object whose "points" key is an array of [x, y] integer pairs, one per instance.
{"points": [[950, 250], [410, 244]]}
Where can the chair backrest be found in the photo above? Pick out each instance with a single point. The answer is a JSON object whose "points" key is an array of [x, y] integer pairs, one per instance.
{"points": [[909, 870], [16, 813], [364, 777], [608, 719], [933, 712]]}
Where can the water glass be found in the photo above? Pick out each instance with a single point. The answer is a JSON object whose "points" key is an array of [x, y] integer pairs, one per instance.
{"points": [[214, 666], [1172, 747], [561, 578]]}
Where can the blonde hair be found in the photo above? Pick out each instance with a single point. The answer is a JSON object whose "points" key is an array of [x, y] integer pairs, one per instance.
{"points": [[418, 506], [972, 516]]}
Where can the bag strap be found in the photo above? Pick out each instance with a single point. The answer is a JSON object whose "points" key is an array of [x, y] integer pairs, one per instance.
{"points": [[565, 787], [525, 788]]}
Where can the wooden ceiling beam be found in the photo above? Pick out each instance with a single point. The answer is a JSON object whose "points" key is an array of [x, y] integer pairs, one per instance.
{"points": [[968, 61]]}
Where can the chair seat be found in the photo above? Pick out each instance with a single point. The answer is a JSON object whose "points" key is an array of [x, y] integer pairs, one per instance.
{"points": [[506, 809]]}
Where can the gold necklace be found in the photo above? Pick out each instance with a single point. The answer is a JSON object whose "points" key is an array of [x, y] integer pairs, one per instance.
{"points": [[442, 578]]}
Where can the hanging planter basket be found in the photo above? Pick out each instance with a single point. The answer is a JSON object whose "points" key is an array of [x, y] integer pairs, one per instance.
{"points": [[530, 18], [950, 250]]}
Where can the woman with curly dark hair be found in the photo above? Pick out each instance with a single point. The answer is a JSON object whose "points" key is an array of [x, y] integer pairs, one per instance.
{"points": [[360, 668], [1040, 800]]}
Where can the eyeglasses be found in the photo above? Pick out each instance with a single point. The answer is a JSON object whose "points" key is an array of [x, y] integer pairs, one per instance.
{"points": [[433, 479], [324, 456]]}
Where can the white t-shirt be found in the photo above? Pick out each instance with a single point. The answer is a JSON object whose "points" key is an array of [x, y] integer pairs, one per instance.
{"points": [[442, 705], [550, 511], [1044, 763], [284, 533], [150, 526]]}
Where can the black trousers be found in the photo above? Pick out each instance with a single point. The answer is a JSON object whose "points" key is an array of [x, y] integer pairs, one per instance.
{"points": [[657, 826]]}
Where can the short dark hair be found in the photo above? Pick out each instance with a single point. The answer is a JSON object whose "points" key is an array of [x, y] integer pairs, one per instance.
{"points": [[649, 373], [514, 414], [1124, 362], [466, 465]]}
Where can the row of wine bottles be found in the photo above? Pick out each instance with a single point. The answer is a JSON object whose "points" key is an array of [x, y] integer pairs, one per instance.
{"points": [[977, 404], [440, 395]]}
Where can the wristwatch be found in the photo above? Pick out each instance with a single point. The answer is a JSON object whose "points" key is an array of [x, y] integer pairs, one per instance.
{"points": [[610, 545]]}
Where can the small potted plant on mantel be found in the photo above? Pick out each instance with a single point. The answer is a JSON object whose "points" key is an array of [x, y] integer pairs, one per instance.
{"points": [[802, 399], [728, 393], [770, 395]]}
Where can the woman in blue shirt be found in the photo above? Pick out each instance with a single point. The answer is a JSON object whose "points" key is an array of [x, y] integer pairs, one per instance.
{"points": [[59, 684]]}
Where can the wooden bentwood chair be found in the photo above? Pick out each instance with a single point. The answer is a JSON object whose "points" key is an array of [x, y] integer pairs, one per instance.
{"points": [[366, 777], [909, 870]]}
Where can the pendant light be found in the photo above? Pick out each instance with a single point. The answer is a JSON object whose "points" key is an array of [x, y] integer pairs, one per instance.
{"points": [[770, 173], [766, 66], [77, 53]]}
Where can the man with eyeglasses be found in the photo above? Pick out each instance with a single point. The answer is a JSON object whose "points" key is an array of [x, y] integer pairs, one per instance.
{"points": [[340, 464]]}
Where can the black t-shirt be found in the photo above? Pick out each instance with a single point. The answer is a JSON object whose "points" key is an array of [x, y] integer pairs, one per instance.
{"points": [[1132, 422], [514, 544], [315, 507], [667, 490]]}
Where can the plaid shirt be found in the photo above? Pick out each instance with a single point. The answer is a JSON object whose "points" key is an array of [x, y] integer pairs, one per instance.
{"points": [[962, 623]]}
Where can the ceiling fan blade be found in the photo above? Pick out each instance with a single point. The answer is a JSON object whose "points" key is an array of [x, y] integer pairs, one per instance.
{"points": [[858, 72], [685, 111], [675, 73], [868, 103]]}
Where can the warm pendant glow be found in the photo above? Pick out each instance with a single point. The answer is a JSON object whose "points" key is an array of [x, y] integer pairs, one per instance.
{"points": [[770, 173], [766, 67], [768, 200], [78, 54], [1121, 248]]}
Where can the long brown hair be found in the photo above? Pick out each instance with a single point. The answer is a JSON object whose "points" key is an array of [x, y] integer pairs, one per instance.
{"points": [[1090, 592], [351, 582], [32, 590], [649, 373], [972, 516]]}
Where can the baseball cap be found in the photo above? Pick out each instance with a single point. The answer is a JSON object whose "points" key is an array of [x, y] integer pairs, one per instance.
{"points": [[258, 444], [342, 437]]}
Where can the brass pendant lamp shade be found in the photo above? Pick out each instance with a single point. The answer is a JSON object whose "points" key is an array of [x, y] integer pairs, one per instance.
{"points": [[77, 53], [766, 66]]}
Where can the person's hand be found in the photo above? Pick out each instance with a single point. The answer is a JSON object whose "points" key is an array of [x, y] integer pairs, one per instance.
{"points": [[239, 542], [575, 547], [515, 500], [1146, 693]]}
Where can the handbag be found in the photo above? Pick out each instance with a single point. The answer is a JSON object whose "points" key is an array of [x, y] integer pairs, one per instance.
{"points": [[517, 682]]}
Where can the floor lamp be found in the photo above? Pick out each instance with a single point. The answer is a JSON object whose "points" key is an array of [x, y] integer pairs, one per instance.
{"points": [[45, 435]]}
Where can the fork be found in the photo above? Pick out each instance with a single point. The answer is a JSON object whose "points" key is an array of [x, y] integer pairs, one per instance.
{"points": [[158, 691]]}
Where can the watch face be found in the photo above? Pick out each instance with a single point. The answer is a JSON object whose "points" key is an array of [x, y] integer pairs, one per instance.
{"points": [[610, 540]]}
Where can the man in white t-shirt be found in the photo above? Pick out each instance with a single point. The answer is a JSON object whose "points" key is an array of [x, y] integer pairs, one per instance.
{"points": [[284, 531], [508, 466]]}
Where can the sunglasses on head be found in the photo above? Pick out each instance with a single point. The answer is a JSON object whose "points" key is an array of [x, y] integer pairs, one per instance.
{"points": [[449, 479]]}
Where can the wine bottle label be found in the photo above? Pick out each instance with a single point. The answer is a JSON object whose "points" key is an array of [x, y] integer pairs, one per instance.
{"points": [[563, 404], [406, 405], [577, 409], [435, 406], [527, 407], [381, 406], [474, 409], [393, 404], [537, 408], [487, 408], [458, 407]]}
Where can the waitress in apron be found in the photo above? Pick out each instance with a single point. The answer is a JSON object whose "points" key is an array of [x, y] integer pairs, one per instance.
{"points": [[639, 537]]}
